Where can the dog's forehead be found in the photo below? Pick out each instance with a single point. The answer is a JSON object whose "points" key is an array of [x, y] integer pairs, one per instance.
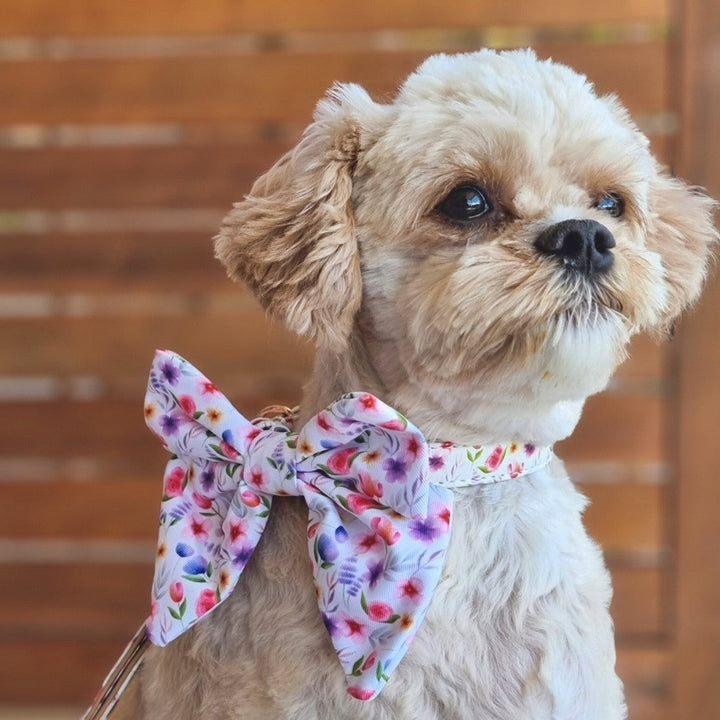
{"points": [[509, 88]]}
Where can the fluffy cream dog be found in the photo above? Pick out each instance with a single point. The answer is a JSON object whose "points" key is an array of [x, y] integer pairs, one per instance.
{"points": [[477, 254]]}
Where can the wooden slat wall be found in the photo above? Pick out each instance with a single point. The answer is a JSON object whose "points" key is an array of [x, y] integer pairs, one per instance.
{"points": [[126, 133]]}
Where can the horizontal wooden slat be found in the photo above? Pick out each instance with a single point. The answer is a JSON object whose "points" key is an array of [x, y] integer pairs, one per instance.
{"points": [[639, 607], [270, 87], [104, 508], [238, 341], [90, 601], [116, 177], [626, 517], [645, 672], [108, 262], [46, 671], [617, 428], [96, 17]]}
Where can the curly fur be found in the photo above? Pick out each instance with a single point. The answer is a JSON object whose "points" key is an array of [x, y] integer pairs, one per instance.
{"points": [[477, 337]]}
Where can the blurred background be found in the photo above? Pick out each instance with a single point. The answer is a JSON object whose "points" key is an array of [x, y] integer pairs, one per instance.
{"points": [[126, 132]]}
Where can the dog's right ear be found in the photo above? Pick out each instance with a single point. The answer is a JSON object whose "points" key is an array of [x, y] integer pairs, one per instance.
{"points": [[291, 240]]}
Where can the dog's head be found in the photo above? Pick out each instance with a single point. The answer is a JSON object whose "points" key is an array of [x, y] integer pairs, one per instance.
{"points": [[498, 231]]}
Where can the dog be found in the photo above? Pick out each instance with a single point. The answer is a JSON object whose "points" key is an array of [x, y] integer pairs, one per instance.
{"points": [[476, 253]]}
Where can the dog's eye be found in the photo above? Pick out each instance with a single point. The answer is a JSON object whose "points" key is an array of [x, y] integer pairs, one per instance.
{"points": [[464, 204], [612, 204]]}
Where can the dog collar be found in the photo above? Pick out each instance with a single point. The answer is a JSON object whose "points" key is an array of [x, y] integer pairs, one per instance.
{"points": [[379, 503]]}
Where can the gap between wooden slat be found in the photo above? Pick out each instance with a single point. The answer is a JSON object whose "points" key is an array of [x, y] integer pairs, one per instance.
{"points": [[430, 39]]}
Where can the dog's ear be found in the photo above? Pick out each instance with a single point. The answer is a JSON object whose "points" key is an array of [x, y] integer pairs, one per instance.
{"points": [[682, 231], [291, 240]]}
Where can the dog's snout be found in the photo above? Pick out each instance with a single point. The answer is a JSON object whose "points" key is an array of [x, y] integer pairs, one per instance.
{"points": [[582, 245]]}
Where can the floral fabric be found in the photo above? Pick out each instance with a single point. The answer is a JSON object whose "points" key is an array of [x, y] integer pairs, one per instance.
{"points": [[378, 503]]}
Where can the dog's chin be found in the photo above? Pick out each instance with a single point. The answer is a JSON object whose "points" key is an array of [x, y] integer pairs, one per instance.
{"points": [[568, 357]]}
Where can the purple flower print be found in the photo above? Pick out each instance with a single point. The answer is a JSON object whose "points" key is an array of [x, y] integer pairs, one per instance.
{"points": [[436, 462], [207, 479], [330, 624], [374, 573], [240, 560], [184, 550], [170, 372], [426, 529], [341, 534], [170, 424], [529, 449], [396, 469], [327, 549], [196, 566]]}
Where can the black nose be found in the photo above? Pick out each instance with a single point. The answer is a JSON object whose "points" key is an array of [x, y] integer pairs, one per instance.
{"points": [[581, 245]]}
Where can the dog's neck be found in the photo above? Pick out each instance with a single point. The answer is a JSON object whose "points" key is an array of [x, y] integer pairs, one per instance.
{"points": [[465, 419]]}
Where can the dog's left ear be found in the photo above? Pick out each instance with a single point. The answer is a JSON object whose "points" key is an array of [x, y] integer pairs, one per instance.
{"points": [[291, 240], [682, 231]]}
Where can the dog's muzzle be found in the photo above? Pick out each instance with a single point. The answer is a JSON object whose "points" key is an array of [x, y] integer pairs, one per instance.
{"points": [[583, 246]]}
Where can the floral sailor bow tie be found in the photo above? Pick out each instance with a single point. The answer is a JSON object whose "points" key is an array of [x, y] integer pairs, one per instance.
{"points": [[378, 499]]}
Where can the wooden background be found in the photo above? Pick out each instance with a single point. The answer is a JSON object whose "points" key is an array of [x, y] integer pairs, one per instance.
{"points": [[126, 132]]}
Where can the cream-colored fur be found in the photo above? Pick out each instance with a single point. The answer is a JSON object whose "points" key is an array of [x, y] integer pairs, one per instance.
{"points": [[477, 337]]}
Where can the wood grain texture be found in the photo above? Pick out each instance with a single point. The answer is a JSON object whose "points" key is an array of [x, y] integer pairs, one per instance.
{"points": [[273, 87], [697, 663], [96, 17]]}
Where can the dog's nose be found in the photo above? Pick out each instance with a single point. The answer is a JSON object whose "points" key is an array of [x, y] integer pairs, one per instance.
{"points": [[582, 245]]}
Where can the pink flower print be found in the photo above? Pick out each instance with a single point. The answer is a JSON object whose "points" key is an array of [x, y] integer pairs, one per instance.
{"points": [[368, 543], [238, 531], [369, 486], [361, 693], [385, 529], [187, 404], [257, 476], [413, 446], [371, 660], [250, 498], [442, 513], [177, 592], [397, 424], [353, 629], [202, 501], [198, 527], [154, 608], [515, 469], [379, 611], [174, 482], [250, 433], [359, 503], [494, 459], [206, 601], [228, 450], [411, 589], [312, 530], [207, 387], [323, 422], [367, 402], [339, 462]]}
